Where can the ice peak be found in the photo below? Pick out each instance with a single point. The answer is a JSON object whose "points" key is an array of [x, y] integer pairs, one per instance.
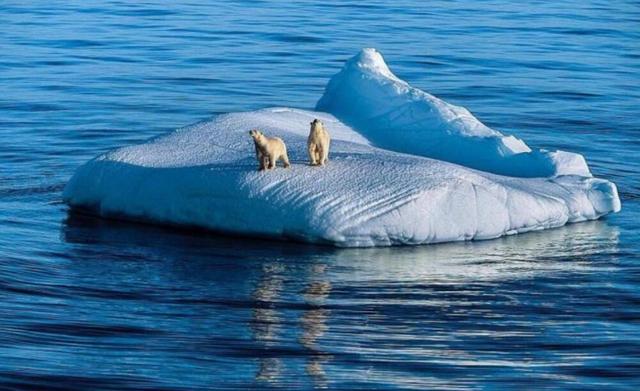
{"points": [[369, 60], [392, 114]]}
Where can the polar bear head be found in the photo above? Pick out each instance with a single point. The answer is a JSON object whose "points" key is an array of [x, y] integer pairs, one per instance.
{"points": [[316, 124], [256, 134]]}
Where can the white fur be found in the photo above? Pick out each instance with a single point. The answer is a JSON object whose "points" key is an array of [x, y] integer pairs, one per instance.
{"points": [[318, 144], [269, 150]]}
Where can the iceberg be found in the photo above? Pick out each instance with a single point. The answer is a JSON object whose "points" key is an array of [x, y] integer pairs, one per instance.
{"points": [[390, 113], [396, 174]]}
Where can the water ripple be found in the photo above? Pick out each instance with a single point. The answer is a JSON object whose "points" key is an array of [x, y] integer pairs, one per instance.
{"points": [[110, 305]]}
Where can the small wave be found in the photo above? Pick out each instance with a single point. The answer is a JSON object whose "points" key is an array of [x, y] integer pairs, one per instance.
{"points": [[29, 191]]}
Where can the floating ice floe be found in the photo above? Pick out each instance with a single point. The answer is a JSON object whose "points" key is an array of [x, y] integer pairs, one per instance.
{"points": [[405, 168]]}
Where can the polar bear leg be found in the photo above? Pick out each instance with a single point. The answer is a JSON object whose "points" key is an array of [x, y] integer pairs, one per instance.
{"points": [[325, 153], [285, 160], [321, 154], [312, 154], [262, 160], [272, 161]]}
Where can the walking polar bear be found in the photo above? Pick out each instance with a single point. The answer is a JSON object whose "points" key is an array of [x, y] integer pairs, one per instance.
{"points": [[318, 144], [269, 150]]}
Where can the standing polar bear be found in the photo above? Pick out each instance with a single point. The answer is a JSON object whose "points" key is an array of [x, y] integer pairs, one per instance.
{"points": [[318, 144], [269, 150]]}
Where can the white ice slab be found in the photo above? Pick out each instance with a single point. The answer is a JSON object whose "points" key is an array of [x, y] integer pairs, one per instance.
{"points": [[383, 185], [205, 175]]}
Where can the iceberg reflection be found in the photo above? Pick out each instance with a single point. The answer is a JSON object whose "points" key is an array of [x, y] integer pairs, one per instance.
{"points": [[291, 314]]}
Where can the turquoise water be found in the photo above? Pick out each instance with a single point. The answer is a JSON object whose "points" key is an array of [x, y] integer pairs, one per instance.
{"points": [[94, 304]]}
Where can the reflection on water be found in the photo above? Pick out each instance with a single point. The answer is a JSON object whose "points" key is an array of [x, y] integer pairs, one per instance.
{"points": [[266, 321], [298, 315], [516, 256], [314, 322], [519, 256]]}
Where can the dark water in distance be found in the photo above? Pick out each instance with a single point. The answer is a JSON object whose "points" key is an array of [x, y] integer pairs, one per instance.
{"points": [[93, 304]]}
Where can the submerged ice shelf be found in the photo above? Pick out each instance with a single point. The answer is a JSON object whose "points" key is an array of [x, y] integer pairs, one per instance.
{"points": [[389, 181]]}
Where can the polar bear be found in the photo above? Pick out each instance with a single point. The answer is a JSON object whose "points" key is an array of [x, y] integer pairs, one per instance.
{"points": [[318, 144], [269, 150]]}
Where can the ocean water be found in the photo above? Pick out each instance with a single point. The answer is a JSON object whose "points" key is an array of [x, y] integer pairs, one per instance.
{"points": [[91, 304]]}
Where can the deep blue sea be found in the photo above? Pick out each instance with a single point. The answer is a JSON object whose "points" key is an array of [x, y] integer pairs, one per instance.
{"points": [[91, 304]]}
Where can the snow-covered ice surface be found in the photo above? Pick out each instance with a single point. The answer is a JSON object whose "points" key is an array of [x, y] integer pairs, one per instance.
{"points": [[366, 95], [382, 185]]}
